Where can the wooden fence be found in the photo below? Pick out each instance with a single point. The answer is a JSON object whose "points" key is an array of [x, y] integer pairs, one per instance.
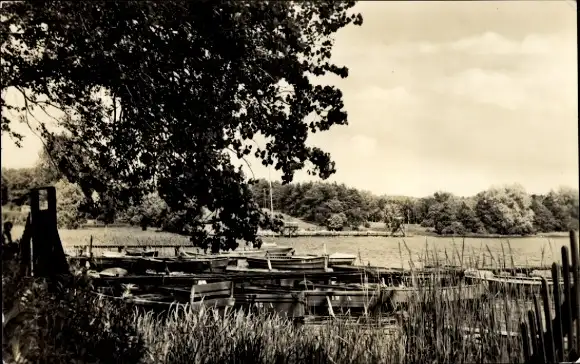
{"points": [[559, 339]]}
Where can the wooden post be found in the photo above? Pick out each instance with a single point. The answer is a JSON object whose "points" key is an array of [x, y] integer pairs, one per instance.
{"points": [[192, 295], [526, 342], [558, 326], [330, 309], [568, 316], [34, 216], [269, 262], [576, 287], [91, 247]]}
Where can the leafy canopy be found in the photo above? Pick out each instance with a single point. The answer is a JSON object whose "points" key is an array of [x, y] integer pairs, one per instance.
{"points": [[160, 95]]}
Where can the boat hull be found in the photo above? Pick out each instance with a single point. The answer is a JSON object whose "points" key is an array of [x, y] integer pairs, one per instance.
{"points": [[511, 285], [159, 304], [354, 298], [187, 265], [141, 253], [287, 304], [341, 261], [289, 263], [201, 291]]}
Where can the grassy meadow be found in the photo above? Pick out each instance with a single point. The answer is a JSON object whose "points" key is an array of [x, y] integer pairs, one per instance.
{"points": [[73, 326]]}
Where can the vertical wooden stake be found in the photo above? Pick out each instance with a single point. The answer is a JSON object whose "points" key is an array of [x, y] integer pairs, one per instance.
{"points": [[269, 262], [568, 317], [549, 336], [329, 303], [575, 288], [535, 352], [540, 329], [558, 322], [525, 342], [91, 248]]}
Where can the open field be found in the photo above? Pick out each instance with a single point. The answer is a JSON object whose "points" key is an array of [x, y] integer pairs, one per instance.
{"points": [[383, 251]]}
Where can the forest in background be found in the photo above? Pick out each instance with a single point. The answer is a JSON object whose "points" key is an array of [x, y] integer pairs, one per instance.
{"points": [[506, 210]]}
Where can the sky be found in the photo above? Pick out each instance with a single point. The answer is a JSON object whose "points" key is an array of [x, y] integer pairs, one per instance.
{"points": [[454, 96]]}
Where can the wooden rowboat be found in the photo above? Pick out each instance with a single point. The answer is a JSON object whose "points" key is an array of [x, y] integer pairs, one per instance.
{"points": [[186, 265], [141, 252], [339, 259], [288, 263], [218, 294], [159, 302], [202, 291], [111, 254], [273, 252], [509, 284], [141, 265], [316, 299], [287, 304], [371, 296]]}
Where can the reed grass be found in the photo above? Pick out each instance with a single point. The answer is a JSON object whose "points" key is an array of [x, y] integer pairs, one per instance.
{"points": [[72, 326]]}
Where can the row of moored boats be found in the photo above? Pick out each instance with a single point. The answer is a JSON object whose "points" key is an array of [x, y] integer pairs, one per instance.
{"points": [[275, 279]]}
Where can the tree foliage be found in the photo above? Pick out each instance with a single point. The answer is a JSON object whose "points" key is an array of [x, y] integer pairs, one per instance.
{"points": [[507, 210], [69, 198], [160, 95]]}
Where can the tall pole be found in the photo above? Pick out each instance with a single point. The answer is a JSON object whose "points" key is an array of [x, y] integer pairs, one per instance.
{"points": [[271, 204], [265, 205]]}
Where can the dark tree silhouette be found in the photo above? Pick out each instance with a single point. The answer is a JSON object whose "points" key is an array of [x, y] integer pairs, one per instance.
{"points": [[160, 93]]}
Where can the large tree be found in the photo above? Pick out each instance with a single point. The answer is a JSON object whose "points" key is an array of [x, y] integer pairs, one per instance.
{"points": [[506, 210], [161, 95]]}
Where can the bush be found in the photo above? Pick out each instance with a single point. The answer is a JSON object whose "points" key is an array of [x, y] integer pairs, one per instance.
{"points": [[67, 325], [336, 222], [454, 228], [69, 198]]}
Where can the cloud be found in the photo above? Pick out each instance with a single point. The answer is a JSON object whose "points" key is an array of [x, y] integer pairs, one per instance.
{"points": [[486, 86], [362, 145]]}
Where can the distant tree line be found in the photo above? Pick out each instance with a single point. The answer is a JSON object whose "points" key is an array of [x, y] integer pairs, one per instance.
{"points": [[507, 210], [73, 206]]}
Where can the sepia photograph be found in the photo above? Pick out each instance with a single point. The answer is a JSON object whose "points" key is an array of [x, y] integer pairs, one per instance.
{"points": [[290, 182]]}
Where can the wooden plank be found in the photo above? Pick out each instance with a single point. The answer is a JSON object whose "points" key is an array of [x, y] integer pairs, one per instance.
{"points": [[549, 336], [558, 332], [525, 341], [540, 326], [535, 352], [567, 311], [576, 287]]}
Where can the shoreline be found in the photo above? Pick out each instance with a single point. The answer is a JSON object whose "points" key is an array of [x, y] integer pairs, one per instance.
{"points": [[345, 234], [374, 233]]}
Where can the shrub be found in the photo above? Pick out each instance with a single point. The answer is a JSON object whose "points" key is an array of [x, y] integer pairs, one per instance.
{"points": [[454, 228], [69, 198], [66, 325], [336, 221]]}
